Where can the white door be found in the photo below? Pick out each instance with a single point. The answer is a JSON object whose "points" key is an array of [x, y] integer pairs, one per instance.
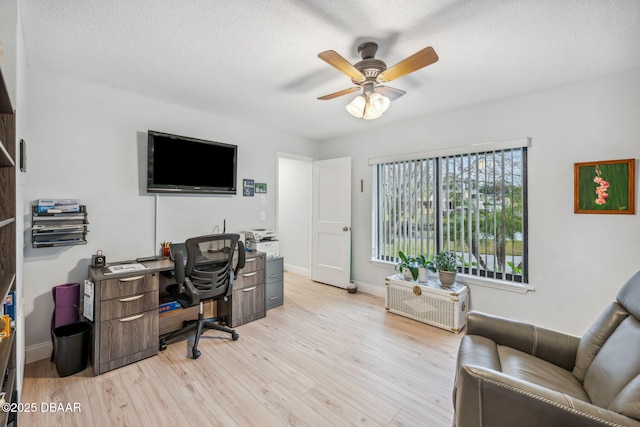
{"points": [[331, 224]]}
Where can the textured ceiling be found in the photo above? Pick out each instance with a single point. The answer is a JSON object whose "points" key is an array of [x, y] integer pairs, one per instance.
{"points": [[255, 60]]}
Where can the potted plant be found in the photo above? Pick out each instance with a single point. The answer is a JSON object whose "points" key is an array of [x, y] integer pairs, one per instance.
{"points": [[424, 264], [447, 266], [408, 266]]}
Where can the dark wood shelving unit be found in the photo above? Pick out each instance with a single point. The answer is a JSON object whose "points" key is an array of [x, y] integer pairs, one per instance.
{"points": [[7, 244]]}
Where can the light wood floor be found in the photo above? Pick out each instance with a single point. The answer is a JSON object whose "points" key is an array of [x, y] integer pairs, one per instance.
{"points": [[324, 358]]}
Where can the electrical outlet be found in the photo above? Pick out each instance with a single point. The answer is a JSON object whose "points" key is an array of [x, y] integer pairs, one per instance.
{"points": [[263, 216]]}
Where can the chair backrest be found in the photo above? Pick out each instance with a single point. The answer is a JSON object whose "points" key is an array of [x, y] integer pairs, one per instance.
{"points": [[210, 264], [608, 358]]}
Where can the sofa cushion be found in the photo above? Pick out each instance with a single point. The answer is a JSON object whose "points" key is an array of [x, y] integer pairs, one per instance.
{"points": [[537, 371], [629, 295], [479, 351], [596, 336], [614, 368], [627, 402]]}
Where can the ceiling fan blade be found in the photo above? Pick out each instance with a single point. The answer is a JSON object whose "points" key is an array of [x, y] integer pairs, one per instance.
{"points": [[390, 92], [334, 59], [420, 59], [337, 94]]}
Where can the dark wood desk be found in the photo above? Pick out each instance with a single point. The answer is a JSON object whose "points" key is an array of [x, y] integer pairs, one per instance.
{"points": [[126, 324]]}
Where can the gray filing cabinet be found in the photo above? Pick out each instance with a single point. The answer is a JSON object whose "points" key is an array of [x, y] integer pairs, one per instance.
{"points": [[274, 294]]}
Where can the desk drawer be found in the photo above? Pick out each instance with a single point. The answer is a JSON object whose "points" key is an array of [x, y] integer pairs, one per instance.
{"points": [[248, 304], [129, 305], [253, 264], [274, 270], [246, 279], [127, 286], [128, 335], [274, 294]]}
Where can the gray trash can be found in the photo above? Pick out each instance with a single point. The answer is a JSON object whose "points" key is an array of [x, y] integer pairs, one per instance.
{"points": [[71, 347]]}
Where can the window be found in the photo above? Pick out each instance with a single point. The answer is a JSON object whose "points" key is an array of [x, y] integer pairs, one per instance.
{"points": [[472, 202]]}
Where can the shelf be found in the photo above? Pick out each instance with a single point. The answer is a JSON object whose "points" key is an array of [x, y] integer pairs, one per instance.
{"points": [[9, 383], [58, 229], [8, 389], [51, 244], [8, 345], [50, 217], [59, 216], [60, 232], [5, 351], [5, 159], [7, 221]]}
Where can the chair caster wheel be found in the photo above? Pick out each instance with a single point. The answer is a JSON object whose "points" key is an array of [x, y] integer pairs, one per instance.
{"points": [[234, 336], [196, 353], [163, 345]]}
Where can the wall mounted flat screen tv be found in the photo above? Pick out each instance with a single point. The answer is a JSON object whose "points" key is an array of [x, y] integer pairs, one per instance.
{"points": [[179, 164]]}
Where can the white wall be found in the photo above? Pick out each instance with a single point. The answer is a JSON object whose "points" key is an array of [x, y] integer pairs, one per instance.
{"points": [[577, 263], [89, 142], [294, 213]]}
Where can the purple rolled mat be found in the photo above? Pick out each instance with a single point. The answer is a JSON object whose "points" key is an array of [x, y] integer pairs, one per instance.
{"points": [[66, 300]]}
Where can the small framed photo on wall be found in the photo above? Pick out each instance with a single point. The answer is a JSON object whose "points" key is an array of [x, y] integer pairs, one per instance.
{"points": [[261, 187], [247, 187], [604, 187]]}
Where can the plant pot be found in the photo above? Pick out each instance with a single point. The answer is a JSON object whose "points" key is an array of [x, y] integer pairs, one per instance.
{"points": [[447, 278], [407, 274], [422, 275]]}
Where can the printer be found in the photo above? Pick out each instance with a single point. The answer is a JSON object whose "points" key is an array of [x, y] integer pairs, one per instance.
{"points": [[263, 240], [259, 234]]}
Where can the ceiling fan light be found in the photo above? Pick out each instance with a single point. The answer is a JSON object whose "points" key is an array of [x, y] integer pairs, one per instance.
{"points": [[357, 106], [379, 103], [371, 113]]}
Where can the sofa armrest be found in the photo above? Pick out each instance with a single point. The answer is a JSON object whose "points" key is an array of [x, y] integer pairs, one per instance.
{"points": [[553, 346], [490, 398]]}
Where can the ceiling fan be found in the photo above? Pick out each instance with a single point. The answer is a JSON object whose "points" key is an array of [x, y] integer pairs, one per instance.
{"points": [[369, 73]]}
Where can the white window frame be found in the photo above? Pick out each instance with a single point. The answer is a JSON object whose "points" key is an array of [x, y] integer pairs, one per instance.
{"points": [[447, 152]]}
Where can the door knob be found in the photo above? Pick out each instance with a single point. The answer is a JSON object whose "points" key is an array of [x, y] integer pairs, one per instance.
{"points": [[345, 228]]}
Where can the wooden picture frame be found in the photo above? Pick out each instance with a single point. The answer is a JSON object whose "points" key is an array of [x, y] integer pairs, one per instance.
{"points": [[604, 187]]}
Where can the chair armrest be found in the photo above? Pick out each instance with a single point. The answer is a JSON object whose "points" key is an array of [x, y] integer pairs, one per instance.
{"points": [[553, 346], [185, 293], [490, 398]]}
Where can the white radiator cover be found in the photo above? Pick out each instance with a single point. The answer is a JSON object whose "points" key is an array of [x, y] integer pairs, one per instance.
{"points": [[428, 302]]}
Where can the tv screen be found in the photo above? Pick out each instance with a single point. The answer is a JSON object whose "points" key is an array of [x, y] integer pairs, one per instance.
{"points": [[178, 164]]}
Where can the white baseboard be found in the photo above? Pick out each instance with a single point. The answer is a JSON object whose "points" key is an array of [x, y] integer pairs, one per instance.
{"points": [[36, 352], [368, 288], [297, 270]]}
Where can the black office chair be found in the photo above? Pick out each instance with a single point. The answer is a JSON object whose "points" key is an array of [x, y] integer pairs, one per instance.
{"points": [[208, 274]]}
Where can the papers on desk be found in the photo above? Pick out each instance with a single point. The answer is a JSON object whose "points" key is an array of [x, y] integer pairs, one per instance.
{"points": [[125, 268]]}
